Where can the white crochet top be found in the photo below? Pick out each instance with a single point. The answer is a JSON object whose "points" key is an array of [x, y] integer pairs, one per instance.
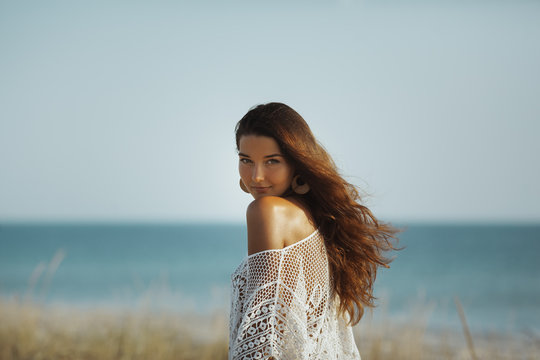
{"points": [[282, 306]]}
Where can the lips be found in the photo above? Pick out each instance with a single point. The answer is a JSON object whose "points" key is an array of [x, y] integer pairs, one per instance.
{"points": [[260, 188]]}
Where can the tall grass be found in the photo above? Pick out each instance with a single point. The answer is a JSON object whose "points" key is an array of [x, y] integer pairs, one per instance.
{"points": [[32, 331]]}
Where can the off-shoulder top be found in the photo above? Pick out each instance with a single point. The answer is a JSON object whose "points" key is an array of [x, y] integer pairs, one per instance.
{"points": [[282, 306]]}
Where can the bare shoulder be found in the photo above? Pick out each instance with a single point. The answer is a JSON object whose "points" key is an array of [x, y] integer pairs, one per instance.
{"points": [[274, 222]]}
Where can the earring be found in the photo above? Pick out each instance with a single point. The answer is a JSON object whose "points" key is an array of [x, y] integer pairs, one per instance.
{"points": [[299, 186], [243, 187]]}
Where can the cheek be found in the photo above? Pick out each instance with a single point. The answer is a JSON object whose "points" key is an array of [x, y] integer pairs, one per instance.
{"points": [[288, 171], [243, 171], [284, 175]]}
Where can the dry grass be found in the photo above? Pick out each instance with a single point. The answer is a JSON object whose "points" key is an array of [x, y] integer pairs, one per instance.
{"points": [[32, 331], [410, 338], [412, 341]]}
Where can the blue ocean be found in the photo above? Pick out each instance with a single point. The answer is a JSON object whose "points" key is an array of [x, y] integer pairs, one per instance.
{"points": [[493, 270]]}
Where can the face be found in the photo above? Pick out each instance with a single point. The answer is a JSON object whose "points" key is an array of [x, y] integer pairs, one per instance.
{"points": [[262, 166]]}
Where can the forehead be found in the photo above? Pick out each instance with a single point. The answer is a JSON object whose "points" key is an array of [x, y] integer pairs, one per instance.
{"points": [[256, 144]]}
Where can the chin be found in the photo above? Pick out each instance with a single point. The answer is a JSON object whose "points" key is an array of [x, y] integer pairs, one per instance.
{"points": [[274, 194], [258, 196]]}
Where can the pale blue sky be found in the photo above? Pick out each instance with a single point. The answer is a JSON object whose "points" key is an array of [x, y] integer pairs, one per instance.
{"points": [[125, 110]]}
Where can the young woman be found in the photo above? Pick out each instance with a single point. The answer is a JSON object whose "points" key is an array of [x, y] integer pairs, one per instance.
{"points": [[313, 249]]}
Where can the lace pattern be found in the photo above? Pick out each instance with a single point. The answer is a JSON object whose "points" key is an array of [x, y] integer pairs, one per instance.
{"points": [[282, 306]]}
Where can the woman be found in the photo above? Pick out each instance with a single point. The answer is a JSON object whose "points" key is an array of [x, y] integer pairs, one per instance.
{"points": [[313, 250]]}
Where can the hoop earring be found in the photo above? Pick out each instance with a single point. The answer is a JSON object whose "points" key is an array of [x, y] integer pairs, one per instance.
{"points": [[243, 187], [299, 186]]}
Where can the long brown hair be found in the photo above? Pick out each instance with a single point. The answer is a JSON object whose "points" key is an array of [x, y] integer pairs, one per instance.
{"points": [[355, 240]]}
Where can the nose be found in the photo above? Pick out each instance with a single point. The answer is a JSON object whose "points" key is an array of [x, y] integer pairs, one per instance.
{"points": [[258, 174]]}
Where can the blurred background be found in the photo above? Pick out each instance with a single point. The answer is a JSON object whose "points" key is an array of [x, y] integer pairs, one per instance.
{"points": [[118, 174]]}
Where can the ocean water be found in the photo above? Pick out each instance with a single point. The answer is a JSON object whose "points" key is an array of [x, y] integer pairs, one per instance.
{"points": [[493, 270]]}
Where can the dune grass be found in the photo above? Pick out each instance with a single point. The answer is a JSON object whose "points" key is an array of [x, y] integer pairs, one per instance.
{"points": [[29, 330], [32, 331]]}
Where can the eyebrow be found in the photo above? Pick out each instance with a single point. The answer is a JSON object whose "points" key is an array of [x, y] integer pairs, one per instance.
{"points": [[267, 156]]}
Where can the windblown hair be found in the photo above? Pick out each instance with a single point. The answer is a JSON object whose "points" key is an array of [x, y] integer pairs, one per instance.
{"points": [[355, 240]]}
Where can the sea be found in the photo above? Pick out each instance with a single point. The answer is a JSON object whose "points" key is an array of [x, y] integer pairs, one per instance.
{"points": [[491, 271]]}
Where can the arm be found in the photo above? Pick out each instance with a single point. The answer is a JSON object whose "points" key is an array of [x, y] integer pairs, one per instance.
{"points": [[265, 327], [270, 321]]}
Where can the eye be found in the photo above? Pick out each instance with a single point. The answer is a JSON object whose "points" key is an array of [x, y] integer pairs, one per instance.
{"points": [[273, 161], [245, 161]]}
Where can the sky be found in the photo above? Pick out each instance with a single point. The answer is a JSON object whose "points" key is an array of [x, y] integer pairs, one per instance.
{"points": [[125, 110]]}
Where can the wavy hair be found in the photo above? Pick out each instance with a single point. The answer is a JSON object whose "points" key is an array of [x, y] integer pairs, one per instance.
{"points": [[355, 240]]}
